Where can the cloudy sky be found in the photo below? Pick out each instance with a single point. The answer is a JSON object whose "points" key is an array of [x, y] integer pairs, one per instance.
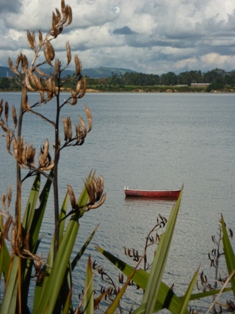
{"points": [[152, 36]]}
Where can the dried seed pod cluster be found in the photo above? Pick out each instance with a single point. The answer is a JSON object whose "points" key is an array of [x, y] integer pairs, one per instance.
{"points": [[80, 129], [95, 189], [44, 158], [60, 18]]}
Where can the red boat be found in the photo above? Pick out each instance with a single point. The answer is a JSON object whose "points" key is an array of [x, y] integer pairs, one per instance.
{"points": [[160, 194]]}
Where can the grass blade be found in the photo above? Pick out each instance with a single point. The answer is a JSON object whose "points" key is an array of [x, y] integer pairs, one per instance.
{"points": [[160, 259], [229, 254], [186, 298], [80, 253], [88, 303]]}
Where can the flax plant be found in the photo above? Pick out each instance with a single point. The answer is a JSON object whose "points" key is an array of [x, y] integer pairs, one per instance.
{"points": [[22, 262]]}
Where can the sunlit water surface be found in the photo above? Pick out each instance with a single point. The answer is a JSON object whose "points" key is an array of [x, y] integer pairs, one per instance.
{"points": [[149, 141]]}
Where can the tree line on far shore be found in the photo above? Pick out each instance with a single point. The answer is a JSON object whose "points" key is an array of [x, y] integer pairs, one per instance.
{"points": [[216, 79]]}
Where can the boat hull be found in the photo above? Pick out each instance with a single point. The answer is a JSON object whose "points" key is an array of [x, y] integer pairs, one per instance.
{"points": [[160, 194]]}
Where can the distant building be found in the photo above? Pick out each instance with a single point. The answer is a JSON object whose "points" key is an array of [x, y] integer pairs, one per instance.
{"points": [[200, 84]]}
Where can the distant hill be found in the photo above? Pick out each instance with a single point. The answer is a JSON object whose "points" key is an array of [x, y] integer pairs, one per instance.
{"points": [[92, 72]]}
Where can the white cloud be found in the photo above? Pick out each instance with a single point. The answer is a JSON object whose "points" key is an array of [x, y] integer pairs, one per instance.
{"points": [[152, 37]]}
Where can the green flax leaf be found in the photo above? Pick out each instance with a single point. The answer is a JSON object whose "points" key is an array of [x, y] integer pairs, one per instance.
{"points": [[229, 254], [159, 262], [186, 298], [88, 304]]}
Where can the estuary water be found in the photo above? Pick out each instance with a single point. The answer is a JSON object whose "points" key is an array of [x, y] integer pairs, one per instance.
{"points": [[149, 141]]}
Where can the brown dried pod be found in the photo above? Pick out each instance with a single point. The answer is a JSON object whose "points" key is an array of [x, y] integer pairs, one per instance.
{"points": [[7, 226], [24, 154], [40, 37], [31, 40], [69, 129], [56, 68], [58, 15], [78, 65], [28, 83], [72, 197], [33, 79], [65, 128], [18, 60], [25, 103], [83, 87], [14, 116], [30, 155], [89, 118], [13, 238], [68, 50], [12, 67], [3, 126], [62, 5], [1, 108], [78, 87], [6, 111], [9, 196], [69, 15], [74, 101], [4, 202], [24, 64], [8, 141], [15, 149], [82, 123], [96, 205], [49, 52]]}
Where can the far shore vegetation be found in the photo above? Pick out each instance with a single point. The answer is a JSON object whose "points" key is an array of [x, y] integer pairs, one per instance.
{"points": [[216, 80]]}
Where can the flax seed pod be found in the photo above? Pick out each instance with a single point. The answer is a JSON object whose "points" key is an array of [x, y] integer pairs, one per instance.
{"points": [[13, 238], [40, 37], [56, 68], [46, 150], [8, 141], [58, 15], [68, 53], [30, 155], [78, 65], [69, 127], [6, 111], [89, 118], [15, 150], [33, 79], [18, 60], [1, 109], [7, 227], [25, 103], [4, 202], [49, 52], [31, 40], [83, 87], [12, 67], [24, 64], [14, 116], [82, 123], [69, 15], [65, 128], [9, 196], [28, 83], [24, 154], [78, 87], [72, 197]]}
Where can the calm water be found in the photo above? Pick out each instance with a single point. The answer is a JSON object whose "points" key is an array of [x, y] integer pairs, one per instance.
{"points": [[150, 141]]}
